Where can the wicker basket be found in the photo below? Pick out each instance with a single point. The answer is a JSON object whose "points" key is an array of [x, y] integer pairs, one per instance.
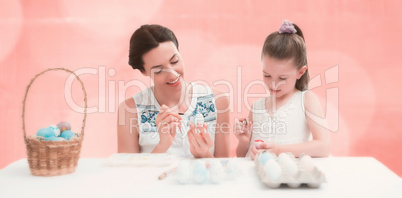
{"points": [[51, 158]]}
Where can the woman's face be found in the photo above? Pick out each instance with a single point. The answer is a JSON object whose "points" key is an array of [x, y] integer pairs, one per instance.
{"points": [[165, 66], [280, 75]]}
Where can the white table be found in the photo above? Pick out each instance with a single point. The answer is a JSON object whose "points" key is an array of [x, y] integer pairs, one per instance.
{"points": [[347, 177]]}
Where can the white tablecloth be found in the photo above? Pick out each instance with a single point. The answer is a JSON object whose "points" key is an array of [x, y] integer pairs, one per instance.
{"points": [[346, 176]]}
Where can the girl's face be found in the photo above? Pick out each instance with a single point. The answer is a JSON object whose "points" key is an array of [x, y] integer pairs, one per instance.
{"points": [[280, 75], [165, 66]]}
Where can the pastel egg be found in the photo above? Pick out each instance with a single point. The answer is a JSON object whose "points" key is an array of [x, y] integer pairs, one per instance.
{"points": [[200, 173], [288, 164], [53, 138], [55, 129], [45, 132], [184, 172], [216, 171], [273, 170], [264, 157], [67, 134], [232, 169], [63, 126]]}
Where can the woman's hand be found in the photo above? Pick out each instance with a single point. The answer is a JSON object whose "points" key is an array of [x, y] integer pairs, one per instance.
{"points": [[200, 141], [243, 131], [167, 122], [270, 147]]}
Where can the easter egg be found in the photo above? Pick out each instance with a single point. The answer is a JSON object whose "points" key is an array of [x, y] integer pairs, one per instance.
{"points": [[216, 171], [273, 170], [67, 134], [258, 143], [184, 172], [232, 169], [45, 132], [63, 126], [53, 138], [55, 129], [264, 157], [200, 173], [199, 119]]}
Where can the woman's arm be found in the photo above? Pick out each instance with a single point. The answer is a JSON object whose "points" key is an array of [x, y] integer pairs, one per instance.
{"points": [[222, 131], [320, 145], [127, 127]]}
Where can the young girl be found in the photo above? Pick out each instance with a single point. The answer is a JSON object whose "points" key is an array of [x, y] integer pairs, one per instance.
{"points": [[173, 116], [281, 120]]}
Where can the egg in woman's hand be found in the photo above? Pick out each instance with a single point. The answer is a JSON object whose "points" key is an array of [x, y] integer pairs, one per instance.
{"points": [[63, 126], [45, 133], [55, 129], [67, 134]]}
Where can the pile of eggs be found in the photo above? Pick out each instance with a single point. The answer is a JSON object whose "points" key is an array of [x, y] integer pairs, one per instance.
{"points": [[61, 131], [275, 170], [200, 172]]}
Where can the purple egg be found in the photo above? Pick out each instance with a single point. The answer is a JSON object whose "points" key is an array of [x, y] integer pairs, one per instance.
{"points": [[63, 126]]}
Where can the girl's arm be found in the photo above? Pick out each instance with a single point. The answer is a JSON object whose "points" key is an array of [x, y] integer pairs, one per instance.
{"points": [[320, 145], [222, 131], [127, 127], [245, 137]]}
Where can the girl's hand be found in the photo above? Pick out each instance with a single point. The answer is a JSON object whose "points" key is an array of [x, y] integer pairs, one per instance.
{"points": [[200, 142], [167, 122], [270, 147], [243, 131]]}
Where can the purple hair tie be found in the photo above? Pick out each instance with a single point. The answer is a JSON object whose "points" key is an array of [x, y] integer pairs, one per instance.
{"points": [[287, 27]]}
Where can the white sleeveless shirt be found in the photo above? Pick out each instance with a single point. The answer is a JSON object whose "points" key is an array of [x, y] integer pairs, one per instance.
{"points": [[288, 125], [202, 102]]}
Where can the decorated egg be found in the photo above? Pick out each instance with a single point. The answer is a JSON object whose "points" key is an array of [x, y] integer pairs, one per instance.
{"points": [[184, 172], [258, 143], [45, 132], [55, 129], [200, 173], [198, 119], [63, 126], [264, 157], [67, 134]]}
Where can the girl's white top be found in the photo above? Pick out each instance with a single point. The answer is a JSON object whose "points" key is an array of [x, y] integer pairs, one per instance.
{"points": [[202, 102], [288, 124]]}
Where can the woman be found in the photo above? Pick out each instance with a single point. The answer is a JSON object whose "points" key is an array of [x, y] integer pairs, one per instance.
{"points": [[173, 116]]}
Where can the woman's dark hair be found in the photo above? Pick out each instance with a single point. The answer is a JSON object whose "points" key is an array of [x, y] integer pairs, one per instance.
{"points": [[145, 39], [284, 46]]}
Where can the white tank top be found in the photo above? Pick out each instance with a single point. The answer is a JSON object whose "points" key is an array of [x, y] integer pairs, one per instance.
{"points": [[288, 125], [202, 102]]}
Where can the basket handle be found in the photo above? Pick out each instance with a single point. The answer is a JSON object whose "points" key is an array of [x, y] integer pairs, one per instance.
{"points": [[29, 85]]}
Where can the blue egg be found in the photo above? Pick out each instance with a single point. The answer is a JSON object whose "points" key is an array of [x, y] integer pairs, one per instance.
{"points": [[67, 134], [53, 138], [200, 172], [264, 157], [46, 133]]}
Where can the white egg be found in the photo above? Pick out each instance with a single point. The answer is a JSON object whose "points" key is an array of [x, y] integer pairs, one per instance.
{"points": [[273, 170], [306, 163], [216, 171], [232, 169], [288, 164], [184, 172]]}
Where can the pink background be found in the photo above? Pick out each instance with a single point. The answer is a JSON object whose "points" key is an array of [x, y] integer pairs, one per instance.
{"points": [[217, 40]]}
